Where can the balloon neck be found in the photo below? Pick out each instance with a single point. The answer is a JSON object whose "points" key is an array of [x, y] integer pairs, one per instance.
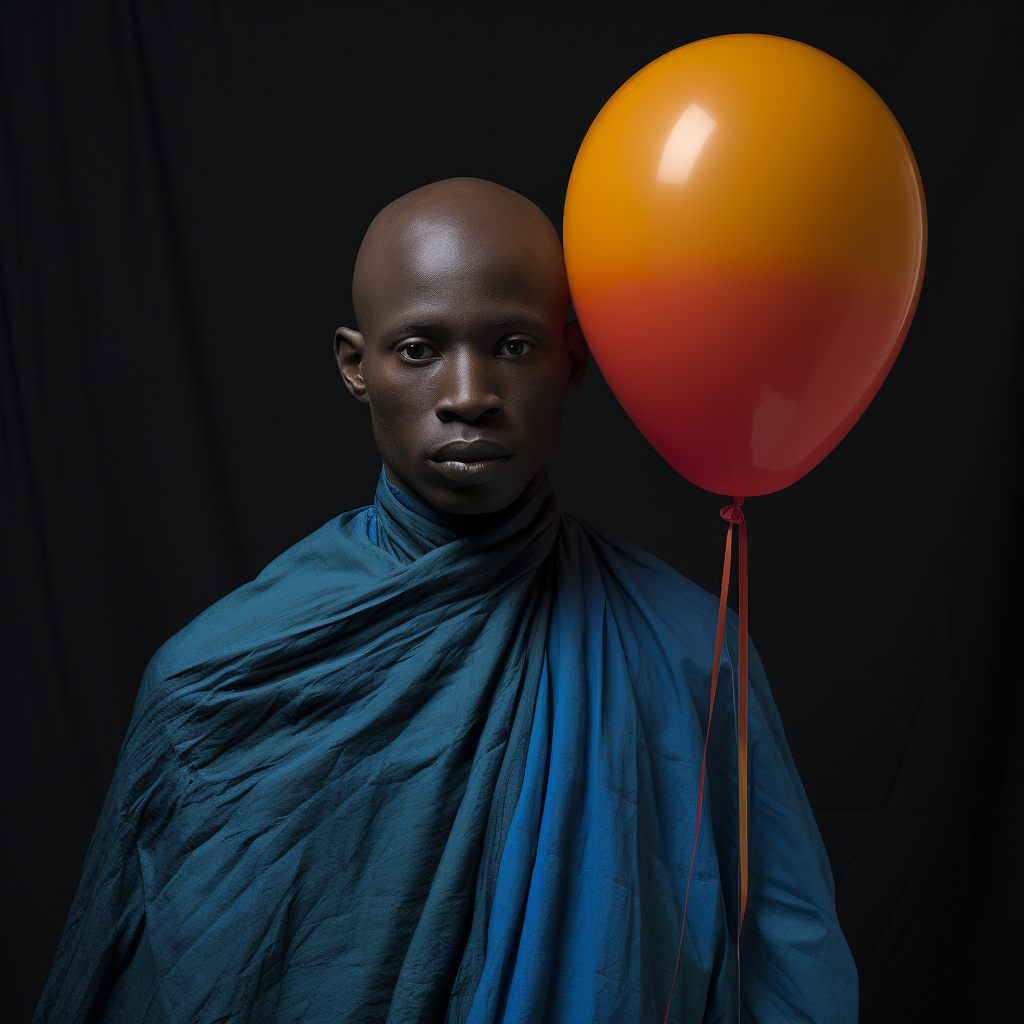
{"points": [[732, 513]]}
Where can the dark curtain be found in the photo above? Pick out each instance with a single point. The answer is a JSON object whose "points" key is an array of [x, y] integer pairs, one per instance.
{"points": [[183, 190]]}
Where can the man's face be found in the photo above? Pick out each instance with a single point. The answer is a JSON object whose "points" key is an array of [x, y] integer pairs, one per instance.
{"points": [[465, 359]]}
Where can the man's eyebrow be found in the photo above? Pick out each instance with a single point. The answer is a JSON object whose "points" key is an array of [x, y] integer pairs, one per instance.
{"points": [[514, 321], [415, 327], [425, 326]]}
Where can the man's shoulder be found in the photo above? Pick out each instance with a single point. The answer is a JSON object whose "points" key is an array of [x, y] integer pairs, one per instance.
{"points": [[205, 688], [288, 592]]}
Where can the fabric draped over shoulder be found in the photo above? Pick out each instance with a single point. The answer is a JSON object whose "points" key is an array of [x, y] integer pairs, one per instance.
{"points": [[420, 772]]}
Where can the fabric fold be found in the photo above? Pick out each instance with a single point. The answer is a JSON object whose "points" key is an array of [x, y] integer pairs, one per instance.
{"points": [[431, 769], [585, 919]]}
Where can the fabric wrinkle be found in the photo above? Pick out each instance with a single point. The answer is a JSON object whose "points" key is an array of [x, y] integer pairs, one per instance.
{"points": [[424, 769]]}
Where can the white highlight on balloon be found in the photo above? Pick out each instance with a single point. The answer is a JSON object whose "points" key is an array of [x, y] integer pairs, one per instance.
{"points": [[684, 145]]}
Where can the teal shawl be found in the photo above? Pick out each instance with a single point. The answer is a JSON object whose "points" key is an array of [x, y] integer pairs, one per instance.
{"points": [[419, 771]]}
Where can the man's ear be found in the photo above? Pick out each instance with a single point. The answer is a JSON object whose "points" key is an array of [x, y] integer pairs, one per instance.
{"points": [[348, 351], [579, 355]]}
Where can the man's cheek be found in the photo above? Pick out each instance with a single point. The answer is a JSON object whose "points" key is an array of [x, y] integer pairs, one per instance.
{"points": [[546, 401], [398, 415]]}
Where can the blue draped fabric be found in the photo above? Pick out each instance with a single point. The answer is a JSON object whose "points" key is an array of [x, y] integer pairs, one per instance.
{"points": [[418, 771]]}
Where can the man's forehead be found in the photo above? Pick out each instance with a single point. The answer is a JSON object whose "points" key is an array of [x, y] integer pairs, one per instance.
{"points": [[456, 242], [426, 251], [436, 268]]}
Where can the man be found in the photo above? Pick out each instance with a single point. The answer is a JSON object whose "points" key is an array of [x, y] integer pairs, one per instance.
{"points": [[439, 761]]}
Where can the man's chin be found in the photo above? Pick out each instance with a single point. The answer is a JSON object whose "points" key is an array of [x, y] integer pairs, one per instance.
{"points": [[477, 489], [472, 500], [479, 493]]}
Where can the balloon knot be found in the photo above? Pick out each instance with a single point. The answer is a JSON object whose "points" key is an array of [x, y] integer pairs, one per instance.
{"points": [[732, 513]]}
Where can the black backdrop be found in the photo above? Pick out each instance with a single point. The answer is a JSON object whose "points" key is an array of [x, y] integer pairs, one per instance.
{"points": [[183, 190]]}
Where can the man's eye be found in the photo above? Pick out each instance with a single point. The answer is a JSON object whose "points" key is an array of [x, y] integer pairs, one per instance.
{"points": [[416, 350], [515, 347]]}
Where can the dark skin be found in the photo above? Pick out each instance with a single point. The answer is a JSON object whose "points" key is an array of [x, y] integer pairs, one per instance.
{"points": [[463, 352]]}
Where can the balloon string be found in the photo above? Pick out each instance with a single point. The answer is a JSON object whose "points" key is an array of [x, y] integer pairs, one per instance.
{"points": [[742, 752], [719, 638]]}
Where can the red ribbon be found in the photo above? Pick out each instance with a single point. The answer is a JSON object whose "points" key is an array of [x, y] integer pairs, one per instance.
{"points": [[733, 515], [742, 745]]}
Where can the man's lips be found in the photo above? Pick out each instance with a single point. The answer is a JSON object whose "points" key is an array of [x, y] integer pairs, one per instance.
{"points": [[471, 461], [478, 450]]}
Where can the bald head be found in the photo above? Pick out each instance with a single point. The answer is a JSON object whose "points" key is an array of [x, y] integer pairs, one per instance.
{"points": [[462, 350], [457, 229]]}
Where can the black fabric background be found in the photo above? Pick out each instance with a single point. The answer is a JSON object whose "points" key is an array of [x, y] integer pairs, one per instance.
{"points": [[183, 190]]}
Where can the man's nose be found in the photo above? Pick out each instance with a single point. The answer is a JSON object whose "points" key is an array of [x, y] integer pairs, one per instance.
{"points": [[468, 389]]}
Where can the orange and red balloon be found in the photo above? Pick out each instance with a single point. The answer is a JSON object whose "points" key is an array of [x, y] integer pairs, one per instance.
{"points": [[745, 241]]}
